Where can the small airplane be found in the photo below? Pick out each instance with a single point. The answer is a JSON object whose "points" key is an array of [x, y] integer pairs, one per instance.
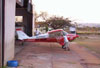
{"points": [[50, 36]]}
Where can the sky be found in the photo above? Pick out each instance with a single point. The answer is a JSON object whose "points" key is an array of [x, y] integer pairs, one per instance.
{"points": [[81, 11]]}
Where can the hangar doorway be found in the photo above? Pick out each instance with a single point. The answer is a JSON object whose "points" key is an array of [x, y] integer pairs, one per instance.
{"points": [[23, 20], [8, 10]]}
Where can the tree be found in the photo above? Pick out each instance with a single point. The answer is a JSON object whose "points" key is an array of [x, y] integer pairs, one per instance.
{"points": [[42, 16], [53, 22], [40, 20], [58, 22]]}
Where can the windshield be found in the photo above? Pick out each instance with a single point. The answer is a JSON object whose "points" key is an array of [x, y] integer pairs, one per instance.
{"points": [[56, 34]]}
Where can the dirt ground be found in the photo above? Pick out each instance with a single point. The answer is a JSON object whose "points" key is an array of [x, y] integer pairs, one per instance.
{"points": [[51, 55], [91, 42]]}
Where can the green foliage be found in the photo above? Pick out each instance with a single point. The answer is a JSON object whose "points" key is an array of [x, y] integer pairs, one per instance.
{"points": [[58, 22], [46, 28], [4, 67], [53, 22]]}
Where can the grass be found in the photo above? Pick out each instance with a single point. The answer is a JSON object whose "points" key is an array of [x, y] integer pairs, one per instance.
{"points": [[4, 67], [88, 32], [91, 44]]}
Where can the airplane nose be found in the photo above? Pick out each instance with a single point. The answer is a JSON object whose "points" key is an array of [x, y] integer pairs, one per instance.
{"points": [[77, 35]]}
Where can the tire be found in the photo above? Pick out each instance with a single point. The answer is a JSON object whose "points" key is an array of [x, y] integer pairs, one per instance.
{"points": [[63, 47]]}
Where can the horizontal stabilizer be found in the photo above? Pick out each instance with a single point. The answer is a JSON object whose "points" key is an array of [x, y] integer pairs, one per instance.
{"points": [[21, 34]]}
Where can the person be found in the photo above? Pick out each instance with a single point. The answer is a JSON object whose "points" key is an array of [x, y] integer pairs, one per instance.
{"points": [[66, 43], [37, 32]]}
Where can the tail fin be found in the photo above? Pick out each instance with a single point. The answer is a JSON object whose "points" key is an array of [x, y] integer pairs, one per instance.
{"points": [[21, 34]]}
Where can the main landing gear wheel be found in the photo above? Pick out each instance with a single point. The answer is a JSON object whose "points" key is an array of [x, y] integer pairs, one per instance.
{"points": [[63, 47], [66, 48]]}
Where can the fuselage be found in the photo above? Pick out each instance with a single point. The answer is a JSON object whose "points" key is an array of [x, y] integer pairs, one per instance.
{"points": [[53, 36]]}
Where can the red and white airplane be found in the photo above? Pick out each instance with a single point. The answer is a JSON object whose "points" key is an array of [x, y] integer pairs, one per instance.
{"points": [[50, 36]]}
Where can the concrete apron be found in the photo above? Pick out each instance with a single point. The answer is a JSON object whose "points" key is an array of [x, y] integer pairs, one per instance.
{"points": [[49, 55]]}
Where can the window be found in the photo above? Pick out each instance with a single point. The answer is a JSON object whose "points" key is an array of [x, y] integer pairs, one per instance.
{"points": [[19, 21], [56, 34], [19, 18]]}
